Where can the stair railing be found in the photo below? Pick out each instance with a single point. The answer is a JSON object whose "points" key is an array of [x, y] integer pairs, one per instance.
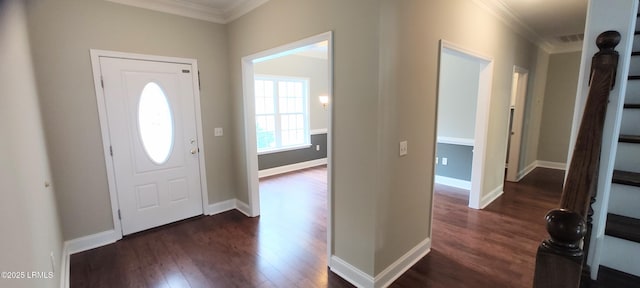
{"points": [[560, 258]]}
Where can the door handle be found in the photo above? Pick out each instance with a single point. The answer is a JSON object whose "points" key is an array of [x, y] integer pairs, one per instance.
{"points": [[194, 150]]}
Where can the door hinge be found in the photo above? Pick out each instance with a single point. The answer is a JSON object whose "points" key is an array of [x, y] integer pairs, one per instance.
{"points": [[119, 216], [102, 81], [111, 150]]}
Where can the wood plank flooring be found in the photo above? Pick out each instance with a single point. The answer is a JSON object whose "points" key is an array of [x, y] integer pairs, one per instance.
{"points": [[286, 245]]}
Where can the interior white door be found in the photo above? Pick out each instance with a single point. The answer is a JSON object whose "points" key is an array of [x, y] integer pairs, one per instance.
{"points": [[515, 133], [152, 128]]}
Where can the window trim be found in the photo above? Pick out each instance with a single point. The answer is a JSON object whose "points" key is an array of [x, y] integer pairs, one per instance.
{"points": [[306, 112]]}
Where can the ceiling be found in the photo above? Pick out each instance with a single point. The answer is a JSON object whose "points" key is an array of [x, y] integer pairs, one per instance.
{"points": [[541, 21], [555, 25]]}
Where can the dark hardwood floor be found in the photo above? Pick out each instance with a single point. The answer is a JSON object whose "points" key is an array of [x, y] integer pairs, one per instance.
{"points": [[286, 245]]}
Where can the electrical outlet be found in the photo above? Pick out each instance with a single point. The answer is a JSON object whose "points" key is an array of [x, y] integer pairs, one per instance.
{"points": [[403, 148], [53, 262], [217, 132], [444, 161], [317, 147]]}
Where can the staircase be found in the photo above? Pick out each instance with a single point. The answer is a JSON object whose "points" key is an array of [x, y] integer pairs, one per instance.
{"points": [[620, 264]]}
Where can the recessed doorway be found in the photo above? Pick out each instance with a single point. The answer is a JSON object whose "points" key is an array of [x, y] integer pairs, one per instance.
{"points": [[287, 113]]}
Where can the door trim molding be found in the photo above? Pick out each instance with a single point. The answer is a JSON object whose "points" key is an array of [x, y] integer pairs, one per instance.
{"points": [[482, 117], [104, 124]]}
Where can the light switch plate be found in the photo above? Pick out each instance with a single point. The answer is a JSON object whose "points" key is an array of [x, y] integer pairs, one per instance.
{"points": [[217, 132], [403, 148]]}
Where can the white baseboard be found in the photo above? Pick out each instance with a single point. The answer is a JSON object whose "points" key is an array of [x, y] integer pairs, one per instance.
{"points": [[83, 244], [292, 167], [217, 208], [350, 273], [243, 207], [527, 170], [453, 182], [395, 270], [64, 267], [551, 165], [492, 196], [91, 241]]}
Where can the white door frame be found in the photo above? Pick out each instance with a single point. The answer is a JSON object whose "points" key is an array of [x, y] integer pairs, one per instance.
{"points": [[104, 124], [251, 153], [482, 119], [521, 87]]}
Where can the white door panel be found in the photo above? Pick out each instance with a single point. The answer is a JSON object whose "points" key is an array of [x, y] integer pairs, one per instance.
{"points": [[155, 157]]}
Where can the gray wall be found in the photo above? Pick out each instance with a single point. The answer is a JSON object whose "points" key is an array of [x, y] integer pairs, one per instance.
{"points": [[458, 95], [559, 102], [30, 227], [459, 160], [272, 160], [62, 32]]}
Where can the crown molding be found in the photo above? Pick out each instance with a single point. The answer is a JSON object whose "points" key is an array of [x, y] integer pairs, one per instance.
{"points": [[507, 16], [195, 10], [241, 8]]}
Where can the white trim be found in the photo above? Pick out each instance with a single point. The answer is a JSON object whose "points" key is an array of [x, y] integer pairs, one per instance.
{"points": [[285, 149], [104, 124], [318, 131], [242, 8], [453, 182], [64, 267], [217, 208], [508, 17], [195, 10], [551, 165], [291, 167], [455, 141], [482, 117], [91, 241], [492, 196], [404, 263], [516, 123], [350, 273], [524, 172], [244, 208], [250, 153]]}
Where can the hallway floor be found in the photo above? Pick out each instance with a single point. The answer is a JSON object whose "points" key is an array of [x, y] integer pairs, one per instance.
{"points": [[286, 245]]}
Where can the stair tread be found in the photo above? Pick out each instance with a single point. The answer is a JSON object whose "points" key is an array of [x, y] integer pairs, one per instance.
{"points": [[632, 106], [623, 227], [629, 138], [609, 277], [626, 178]]}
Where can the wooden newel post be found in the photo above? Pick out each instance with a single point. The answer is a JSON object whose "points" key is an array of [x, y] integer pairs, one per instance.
{"points": [[559, 259]]}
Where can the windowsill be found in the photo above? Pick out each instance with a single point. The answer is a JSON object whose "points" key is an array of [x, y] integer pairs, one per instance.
{"points": [[289, 148]]}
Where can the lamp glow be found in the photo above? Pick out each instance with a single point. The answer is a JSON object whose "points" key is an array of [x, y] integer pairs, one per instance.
{"points": [[324, 100]]}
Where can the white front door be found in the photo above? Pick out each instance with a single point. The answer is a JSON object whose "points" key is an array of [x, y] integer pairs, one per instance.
{"points": [[152, 127]]}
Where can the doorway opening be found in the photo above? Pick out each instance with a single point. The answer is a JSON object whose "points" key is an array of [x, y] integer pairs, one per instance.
{"points": [[464, 94], [287, 94], [516, 120]]}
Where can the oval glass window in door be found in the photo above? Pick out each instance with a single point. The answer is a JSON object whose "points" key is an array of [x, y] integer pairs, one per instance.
{"points": [[155, 123]]}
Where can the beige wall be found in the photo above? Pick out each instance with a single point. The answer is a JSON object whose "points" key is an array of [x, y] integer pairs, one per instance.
{"points": [[315, 70], [409, 49], [62, 32], [559, 101], [355, 104], [533, 111], [30, 226]]}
